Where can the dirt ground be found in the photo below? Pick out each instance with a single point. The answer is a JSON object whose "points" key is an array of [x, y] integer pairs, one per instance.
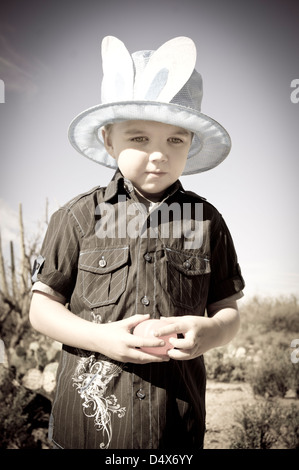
{"points": [[222, 401]]}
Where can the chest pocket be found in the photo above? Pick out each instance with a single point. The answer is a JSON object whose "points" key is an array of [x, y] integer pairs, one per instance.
{"points": [[103, 274], [187, 277]]}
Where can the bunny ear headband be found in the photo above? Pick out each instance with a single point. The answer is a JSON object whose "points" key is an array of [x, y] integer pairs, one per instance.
{"points": [[160, 85]]}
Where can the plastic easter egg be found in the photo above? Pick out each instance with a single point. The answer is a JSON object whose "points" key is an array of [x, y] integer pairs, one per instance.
{"points": [[147, 329]]}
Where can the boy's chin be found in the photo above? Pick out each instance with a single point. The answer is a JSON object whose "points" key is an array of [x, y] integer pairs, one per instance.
{"points": [[153, 196]]}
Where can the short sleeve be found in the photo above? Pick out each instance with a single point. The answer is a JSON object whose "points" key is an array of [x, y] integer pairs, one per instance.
{"points": [[39, 286], [226, 278], [58, 260]]}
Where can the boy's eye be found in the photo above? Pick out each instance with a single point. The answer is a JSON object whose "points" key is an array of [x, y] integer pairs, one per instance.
{"points": [[139, 139], [175, 140]]}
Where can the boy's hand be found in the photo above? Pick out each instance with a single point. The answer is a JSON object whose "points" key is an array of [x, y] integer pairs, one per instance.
{"points": [[199, 334], [114, 340], [118, 342]]}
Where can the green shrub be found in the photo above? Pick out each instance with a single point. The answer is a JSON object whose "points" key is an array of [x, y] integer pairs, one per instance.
{"points": [[274, 374], [222, 366], [254, 428], [282, 316], [289, 430], [269, 314], [265, 425], [13, 422], [22, 413]]}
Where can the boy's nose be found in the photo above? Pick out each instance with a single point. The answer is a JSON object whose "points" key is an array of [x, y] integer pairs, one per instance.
{"points": [[158, 156]]}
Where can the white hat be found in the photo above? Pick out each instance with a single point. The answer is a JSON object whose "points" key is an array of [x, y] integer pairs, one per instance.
{"points": [[160, 85]]}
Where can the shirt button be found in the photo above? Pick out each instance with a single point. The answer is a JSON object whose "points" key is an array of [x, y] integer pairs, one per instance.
{"points": [[145, 301], [147, 257], [187, 264], [140, 394], [102, 262]]}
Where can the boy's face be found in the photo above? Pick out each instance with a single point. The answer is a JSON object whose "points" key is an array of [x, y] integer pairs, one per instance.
{"points": [[150, 154]]}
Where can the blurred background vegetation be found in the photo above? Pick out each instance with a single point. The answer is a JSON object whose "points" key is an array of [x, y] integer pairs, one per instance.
{"points": [[260, 355]]}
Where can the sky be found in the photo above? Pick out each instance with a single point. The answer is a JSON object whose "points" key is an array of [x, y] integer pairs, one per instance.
{"points": [[247, 53]]}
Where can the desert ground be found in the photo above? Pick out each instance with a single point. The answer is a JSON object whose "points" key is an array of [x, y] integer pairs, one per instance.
{"points": [[222, 401]]}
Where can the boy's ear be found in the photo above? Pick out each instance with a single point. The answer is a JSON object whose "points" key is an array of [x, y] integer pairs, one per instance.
{"points": [[108, 142]]}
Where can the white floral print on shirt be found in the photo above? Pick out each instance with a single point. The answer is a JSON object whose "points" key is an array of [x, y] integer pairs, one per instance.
{"points": [[91, 380]]}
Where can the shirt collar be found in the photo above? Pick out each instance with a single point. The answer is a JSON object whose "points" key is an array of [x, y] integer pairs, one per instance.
{"points": [[112, 187], [119, 181]]}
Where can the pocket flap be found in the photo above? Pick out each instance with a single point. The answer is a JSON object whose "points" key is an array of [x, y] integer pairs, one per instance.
{"points": [[191, 264], [102, 261]]}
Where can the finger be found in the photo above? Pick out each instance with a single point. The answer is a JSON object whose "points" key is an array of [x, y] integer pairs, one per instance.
{"points": [[182, 343], [141, 342], [180, 354], [140, 357], [131, 322], [170, 318], [173, 328]]}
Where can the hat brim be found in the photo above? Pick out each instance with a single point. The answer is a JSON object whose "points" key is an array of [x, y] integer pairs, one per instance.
{"points": [[210, 145]]}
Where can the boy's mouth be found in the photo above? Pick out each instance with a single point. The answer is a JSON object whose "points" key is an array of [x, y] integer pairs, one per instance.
{"points": [[156, 173]]}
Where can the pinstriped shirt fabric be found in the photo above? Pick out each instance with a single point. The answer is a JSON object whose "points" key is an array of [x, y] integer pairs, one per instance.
{"points": [[107, 270]]}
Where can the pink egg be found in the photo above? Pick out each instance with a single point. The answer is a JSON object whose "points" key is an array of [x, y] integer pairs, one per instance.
{"points": [[147, 329]]}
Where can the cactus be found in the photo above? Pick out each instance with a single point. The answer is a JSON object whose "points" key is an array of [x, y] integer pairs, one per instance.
{"points": [[15, 291]]}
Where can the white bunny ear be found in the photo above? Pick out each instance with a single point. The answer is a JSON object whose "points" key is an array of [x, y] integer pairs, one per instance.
{"points": [[167, 71], [118, 71]]}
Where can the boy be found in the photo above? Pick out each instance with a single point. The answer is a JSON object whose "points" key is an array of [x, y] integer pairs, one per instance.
{"points": [[140, 248]]}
